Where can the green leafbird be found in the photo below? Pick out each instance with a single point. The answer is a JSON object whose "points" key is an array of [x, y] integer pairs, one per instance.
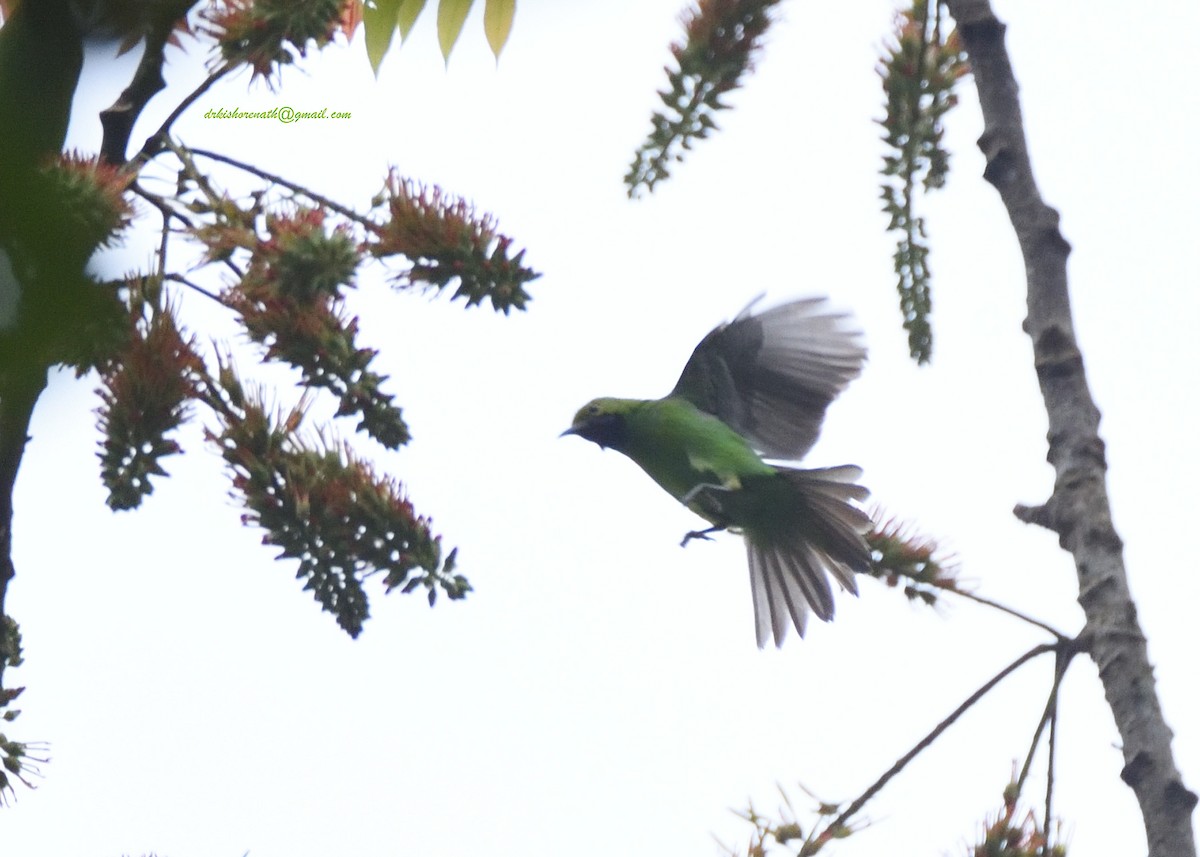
{"points": [[757, 388]]}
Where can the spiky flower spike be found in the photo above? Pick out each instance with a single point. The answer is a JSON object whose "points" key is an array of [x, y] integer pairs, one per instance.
{"points": [[327, 509], [721, 38], [267, 34], [91, 194], [145, 392], [901, 556], [290, 300], [444, 239], [919, 71]]}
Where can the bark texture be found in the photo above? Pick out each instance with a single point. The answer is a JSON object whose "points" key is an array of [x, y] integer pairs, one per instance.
{"points": [[1078, 509]]}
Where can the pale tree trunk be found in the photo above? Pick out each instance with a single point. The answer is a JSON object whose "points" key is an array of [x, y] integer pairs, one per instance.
{"points": [[1078, 509]]}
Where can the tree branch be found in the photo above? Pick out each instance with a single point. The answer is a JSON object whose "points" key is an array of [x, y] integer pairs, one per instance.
{"points": [[1063, 657], [324, 201], [119, 119], [18, 395], [1011, 611], [1078, 510], [861, 801], [156, 142]]}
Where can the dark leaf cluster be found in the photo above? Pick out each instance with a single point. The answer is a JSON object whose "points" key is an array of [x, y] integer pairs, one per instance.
{"points": [[327, 509], [721, 38], [445, 240], [14, 757], [919, 71], [17, 759], [13, 753], [10, 643]]}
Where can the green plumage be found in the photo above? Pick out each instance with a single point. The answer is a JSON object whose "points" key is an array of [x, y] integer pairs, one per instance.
{"points": [[756, 387], [677, 444]]}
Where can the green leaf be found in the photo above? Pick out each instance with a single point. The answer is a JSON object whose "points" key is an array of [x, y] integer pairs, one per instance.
{"points": [[451, 15], [379, 25], [407, 16], [497, 23]]}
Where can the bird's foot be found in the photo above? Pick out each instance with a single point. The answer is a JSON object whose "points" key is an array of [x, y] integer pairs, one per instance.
{"points": [[706, 488], [700, 534]]}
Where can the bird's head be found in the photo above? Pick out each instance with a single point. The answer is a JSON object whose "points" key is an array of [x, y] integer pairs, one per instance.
{"points": [[602, 421]]}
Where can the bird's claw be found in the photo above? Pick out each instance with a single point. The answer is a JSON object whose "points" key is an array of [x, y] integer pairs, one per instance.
{"points": [[699, 534]]}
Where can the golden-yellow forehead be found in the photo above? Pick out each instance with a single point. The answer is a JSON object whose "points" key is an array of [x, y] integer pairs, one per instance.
{"points": [[595, 408]]}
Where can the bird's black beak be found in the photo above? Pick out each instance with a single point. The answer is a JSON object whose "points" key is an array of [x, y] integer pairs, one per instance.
{"points": [[571, 430]]}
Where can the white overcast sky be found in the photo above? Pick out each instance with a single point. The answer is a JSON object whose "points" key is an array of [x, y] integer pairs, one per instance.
{"points": [[600, 692]]}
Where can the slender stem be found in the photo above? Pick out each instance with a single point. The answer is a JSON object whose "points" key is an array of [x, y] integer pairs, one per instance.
{"points": [[980, 599], [279, 180], [1050, 746], [161, 204], [1063, 656], [903, 761], [196, 287], [156, 141], [164, 241], [168, 212]]}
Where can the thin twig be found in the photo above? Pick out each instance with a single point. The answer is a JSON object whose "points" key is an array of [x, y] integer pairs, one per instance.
{"points": [[161, 204], [212, 395], [156, 142], [182, 280], [164, 241], [1011, 612], [1063, 656], [350, 214], [903, 761], [1050, 744], [168, 212], [1033, 743]]}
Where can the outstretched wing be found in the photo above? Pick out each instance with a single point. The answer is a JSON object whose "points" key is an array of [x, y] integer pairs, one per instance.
{"points": [[771, 376]]}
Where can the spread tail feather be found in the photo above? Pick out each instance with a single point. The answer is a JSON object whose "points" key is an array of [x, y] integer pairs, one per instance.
{"points": [[789, 570]]}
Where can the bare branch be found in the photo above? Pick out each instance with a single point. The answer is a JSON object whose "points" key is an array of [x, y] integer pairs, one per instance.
{"points": [[1049, 716], [1011, 611], [946, 723], [1051, 746], [1078, 510], [156, 142], [18, 395], [265, 175], [119, 119]]}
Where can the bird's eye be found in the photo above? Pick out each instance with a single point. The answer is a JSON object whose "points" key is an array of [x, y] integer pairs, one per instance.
{"points": [[593, 410]]}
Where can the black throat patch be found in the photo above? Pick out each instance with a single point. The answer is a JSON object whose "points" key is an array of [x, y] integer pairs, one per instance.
{"points": [[607, 430]]}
